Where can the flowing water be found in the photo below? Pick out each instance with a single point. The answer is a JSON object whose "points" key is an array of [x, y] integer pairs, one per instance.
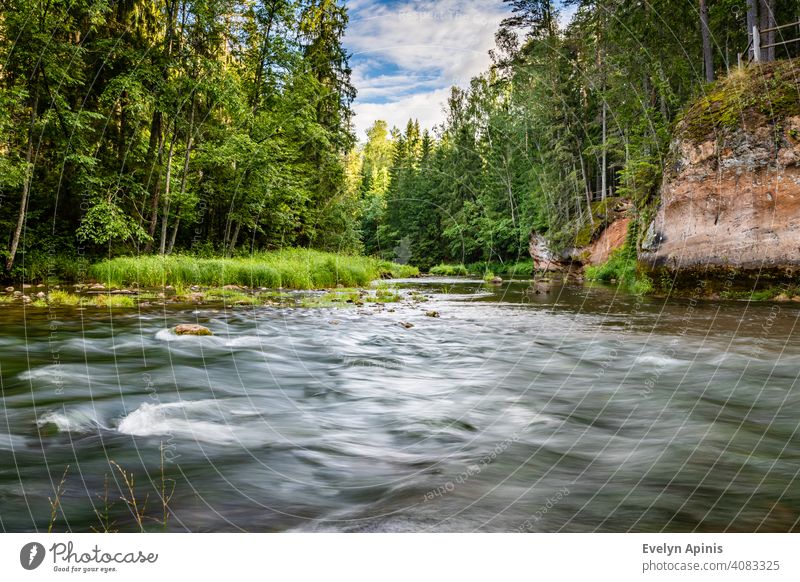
{"points": [[574, 409]]}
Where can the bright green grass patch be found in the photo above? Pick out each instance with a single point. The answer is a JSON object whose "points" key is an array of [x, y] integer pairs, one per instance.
{"points": [[446, 270], [109, 301], [291, 269], [519, 269], [6, 299], [620, 267], [59, 297]]}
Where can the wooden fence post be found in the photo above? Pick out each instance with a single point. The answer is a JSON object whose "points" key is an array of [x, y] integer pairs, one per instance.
{"points": [[756, 45]]}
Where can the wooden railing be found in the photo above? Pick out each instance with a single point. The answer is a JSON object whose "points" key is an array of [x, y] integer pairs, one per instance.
{"points": [[754, 47]]}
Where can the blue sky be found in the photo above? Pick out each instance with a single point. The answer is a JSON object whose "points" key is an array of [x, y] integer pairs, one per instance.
{"points": [[406, 54]]}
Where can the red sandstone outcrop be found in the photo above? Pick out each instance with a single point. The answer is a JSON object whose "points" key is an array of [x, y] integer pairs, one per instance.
{"points": [[609, 240], [731, 201]]}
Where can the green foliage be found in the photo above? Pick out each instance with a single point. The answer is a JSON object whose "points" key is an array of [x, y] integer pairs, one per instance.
{"points": [[106, 222], [620, 268], [146, 126], [449, 270], [291, 269]]}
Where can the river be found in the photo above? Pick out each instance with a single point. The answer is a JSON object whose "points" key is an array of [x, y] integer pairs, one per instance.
{"points": [[572, 409]]}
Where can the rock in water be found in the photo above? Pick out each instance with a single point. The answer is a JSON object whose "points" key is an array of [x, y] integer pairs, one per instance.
{"points": [[9, 289], [192, 329], [406, 324], [496, 280], [432, 313]]}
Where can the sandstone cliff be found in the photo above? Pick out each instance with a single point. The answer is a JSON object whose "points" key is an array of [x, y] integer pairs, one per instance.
{"points": [[730, 197]]}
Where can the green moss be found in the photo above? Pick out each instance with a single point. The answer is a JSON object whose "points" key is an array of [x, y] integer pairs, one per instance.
{"points": [[769, 90]]}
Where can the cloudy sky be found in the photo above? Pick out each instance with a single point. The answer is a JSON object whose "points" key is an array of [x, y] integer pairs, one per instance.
{"points": [[406, 54]]}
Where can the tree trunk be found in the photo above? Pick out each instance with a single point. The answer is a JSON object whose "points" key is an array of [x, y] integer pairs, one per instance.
{"points": [[603, 156], [184, 176], [586, 189], [26, 188], [174, 231], [156, 155], [158, 122], [234, 237], [708, 54], [768, 14], [752, 20], [765, 17], [262, 58], [165, 216]]}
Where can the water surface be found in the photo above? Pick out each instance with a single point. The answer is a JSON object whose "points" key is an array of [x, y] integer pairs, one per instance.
{"points": [[571, 409]]}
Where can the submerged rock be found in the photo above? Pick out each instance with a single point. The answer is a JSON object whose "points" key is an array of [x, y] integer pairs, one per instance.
{"points": [[432, 313], [192, 329], [496, 280], [406, 324]]}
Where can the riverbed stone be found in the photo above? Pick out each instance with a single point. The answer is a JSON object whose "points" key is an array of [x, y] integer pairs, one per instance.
{"points": [[192, 329], [9, 289], [406, 324]]}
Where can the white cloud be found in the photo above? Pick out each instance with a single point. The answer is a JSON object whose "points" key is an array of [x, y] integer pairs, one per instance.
{"points": [[407, 55], [427, 108]]}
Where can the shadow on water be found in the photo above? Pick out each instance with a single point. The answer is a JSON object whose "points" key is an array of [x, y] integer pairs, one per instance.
{"points": [[521, 407]]}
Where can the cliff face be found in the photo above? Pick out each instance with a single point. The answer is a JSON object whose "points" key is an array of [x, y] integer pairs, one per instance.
{"points": [[612, 238], [731, 191]]}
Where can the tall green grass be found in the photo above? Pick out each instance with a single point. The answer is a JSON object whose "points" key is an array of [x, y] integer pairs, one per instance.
{"points": [[621, 268], [519, 269], [446, 270], [291, 269]]}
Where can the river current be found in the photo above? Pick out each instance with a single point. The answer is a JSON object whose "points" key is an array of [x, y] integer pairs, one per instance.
{"points": [[571, 409]]}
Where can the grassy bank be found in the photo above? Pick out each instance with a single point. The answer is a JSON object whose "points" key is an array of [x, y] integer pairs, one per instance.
{"points": [[518, 269], [290, 269]]}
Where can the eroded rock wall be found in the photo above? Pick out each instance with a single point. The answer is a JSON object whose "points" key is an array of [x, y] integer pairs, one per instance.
{"points": [[731, 201]]}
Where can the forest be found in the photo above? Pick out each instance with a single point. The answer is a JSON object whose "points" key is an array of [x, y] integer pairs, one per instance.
{"points": [[136, 127], [224, 127]]}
